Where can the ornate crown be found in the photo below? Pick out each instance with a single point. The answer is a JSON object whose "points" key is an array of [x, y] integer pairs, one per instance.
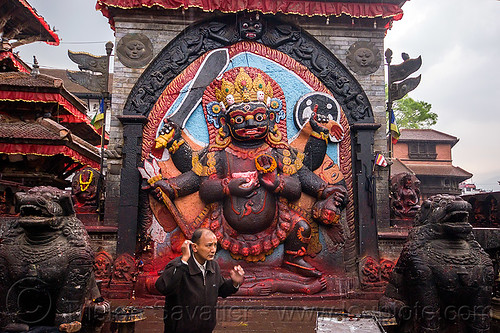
{"points": [[244, 89]]}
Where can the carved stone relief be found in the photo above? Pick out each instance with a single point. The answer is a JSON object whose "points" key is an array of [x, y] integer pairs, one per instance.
{"points": [[135, 50], [291, 40], [363, 58]]}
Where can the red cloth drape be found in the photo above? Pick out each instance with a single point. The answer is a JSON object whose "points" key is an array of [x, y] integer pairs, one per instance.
{"points": [[75, 116], [300, 7], [47, 150]]}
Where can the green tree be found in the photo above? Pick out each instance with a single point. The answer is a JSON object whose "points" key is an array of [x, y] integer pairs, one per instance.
{"points": [[410, 113]]}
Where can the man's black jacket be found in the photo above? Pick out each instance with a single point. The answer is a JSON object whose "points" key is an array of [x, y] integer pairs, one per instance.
{"points": [[190, 299]]}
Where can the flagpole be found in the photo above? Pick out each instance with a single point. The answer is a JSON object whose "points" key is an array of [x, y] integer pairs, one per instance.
{"points": [[105, 97], [388, 59]]}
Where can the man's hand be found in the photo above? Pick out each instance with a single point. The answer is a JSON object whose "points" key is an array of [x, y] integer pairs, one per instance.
{"points": [[237, 275], [186, 250]]}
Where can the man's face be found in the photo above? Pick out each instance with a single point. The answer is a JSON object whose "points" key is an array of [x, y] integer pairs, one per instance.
{"points": [[248, 121], [205, 248]]}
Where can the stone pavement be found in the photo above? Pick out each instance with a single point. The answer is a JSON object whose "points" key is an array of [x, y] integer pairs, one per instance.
{"points": [[274, 315], [243, 320]]}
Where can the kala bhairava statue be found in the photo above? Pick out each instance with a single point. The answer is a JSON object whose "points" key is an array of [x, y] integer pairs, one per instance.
{"points": [[221, 150], [249, 174]]}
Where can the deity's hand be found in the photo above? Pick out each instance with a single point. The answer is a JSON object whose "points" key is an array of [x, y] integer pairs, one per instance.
{"points": [[162, 186], [241, 186], [321, 123], [338, 194], [328, 209], [269, 180], [318, 122], [237, 275], [169, 133], [268, 173]]}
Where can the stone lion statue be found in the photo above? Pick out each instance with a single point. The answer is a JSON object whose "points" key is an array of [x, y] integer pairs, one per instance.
{"points": [[443, 279], [46, 272]]}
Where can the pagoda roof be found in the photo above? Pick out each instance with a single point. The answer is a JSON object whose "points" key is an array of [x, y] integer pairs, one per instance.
{"points": [[25, 25], [426, 135], [23, 90], [399, 167], [438, 170], [356, 9], [10, 62], [45, 137]]}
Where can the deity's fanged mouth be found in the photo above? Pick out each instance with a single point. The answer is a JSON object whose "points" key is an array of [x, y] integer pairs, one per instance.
{"points": [[251, 132], [251, 35]]}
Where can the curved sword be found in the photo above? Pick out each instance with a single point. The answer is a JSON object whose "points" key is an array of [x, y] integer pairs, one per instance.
{"points": [[212, 66]]}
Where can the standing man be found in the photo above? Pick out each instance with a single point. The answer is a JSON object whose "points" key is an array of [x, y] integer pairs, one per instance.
{"points": [[191, 284]]}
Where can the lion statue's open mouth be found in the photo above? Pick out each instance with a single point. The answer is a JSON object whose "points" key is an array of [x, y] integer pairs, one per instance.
{"points": [[446, 214], [43, 206]]}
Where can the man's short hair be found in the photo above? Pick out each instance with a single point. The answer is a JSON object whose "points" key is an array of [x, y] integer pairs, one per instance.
{"points": [[198, 233]]}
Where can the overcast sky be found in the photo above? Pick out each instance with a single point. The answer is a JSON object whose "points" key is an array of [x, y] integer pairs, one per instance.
{"points": [[459, 41]]}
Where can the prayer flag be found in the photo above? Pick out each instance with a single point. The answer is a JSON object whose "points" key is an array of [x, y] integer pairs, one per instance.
{"points": [[380, 160], [393, 127], [99, 116]]}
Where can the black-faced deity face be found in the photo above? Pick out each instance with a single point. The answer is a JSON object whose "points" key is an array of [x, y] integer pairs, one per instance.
{"points": [[248, 121], [250, 27]]}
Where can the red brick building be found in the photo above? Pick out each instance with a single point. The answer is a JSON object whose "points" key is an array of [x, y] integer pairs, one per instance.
{"points": [[426, 153]]}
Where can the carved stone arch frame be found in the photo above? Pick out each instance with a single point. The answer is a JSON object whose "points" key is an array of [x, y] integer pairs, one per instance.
{"points": [[204, 36]]}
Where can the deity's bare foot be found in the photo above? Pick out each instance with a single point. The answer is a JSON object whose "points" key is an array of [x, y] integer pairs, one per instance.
{"points": [[300, 266], [258, 289], [315, 286]]}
